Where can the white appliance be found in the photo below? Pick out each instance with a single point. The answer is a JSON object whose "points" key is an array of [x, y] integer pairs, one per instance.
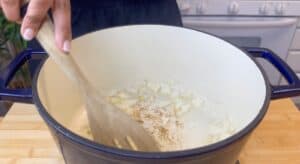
{"points": [[270, 24]]}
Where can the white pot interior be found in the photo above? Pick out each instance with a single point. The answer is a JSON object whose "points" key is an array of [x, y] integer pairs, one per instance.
{"points": [[117, 58]]}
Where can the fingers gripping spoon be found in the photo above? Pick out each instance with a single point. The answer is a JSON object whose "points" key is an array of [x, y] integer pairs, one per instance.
{"points": [[109, 126]]}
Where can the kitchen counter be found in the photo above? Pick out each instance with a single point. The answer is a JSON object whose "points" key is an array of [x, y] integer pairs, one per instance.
{"points": [[25, 139]]}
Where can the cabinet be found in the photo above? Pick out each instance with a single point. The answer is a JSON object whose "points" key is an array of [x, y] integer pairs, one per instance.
{"points": [[296, 41], [293, 60]]}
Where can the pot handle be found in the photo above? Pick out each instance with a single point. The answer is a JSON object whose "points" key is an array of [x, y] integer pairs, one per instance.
{"points": [[280, 91], [6, 75]]}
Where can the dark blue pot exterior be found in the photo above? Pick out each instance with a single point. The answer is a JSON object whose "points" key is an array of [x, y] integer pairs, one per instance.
{"points": [[75, 149], [75, 153], [78, 150]]}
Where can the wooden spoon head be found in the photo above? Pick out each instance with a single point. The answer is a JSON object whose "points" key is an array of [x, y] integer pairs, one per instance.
{"points": [[113, 127]]}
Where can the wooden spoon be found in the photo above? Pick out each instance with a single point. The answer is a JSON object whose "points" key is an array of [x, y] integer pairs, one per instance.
{"points": [[109, 126]]}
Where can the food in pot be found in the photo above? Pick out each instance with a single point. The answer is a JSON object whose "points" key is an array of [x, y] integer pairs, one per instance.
{"points": [[157, 107], [160, 109]]}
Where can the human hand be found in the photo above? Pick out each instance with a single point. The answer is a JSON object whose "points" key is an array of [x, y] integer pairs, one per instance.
{"points": [[36, 12]]}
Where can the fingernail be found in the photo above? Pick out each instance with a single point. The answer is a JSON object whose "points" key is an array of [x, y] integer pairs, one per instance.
{"points": [[28, 34], [67, 46]]}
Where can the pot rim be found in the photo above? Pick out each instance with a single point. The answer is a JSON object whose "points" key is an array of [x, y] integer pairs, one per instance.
{"points": [[154, 155]]}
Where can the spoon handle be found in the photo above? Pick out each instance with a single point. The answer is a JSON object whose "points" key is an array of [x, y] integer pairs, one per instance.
{"points": [[45, 36], [65, 61]]}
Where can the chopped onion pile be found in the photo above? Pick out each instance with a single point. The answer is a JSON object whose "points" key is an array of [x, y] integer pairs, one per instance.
{"points": [[158, 107]]}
